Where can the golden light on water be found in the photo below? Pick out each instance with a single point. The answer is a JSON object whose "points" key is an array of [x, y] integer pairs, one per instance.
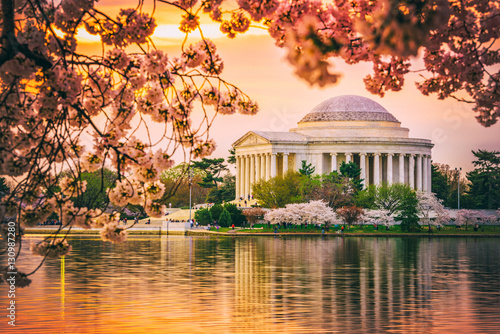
{"points": [[177, 284], [63, 282]]}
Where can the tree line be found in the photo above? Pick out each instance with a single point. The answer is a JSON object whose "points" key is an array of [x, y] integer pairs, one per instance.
{"points": [[479, 188]]}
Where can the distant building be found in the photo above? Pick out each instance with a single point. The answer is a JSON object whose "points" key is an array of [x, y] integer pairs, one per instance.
{"points": [[344, 128]]}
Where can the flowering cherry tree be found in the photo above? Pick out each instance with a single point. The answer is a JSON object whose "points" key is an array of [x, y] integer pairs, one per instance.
{"points": [[314, 212], [283, 215], [429, 205], [63, 110], [458, 41], [253, 215], [471, 217], [466, 217], [379, 217], [484, 218], [350, 214], [318, 212]]}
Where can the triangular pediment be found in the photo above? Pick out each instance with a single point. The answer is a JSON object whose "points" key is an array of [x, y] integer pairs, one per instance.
{"points": [[250, 139]]}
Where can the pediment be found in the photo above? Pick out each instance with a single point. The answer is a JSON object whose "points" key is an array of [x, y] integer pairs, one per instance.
{"points": [[250, 139], [253, 140]]}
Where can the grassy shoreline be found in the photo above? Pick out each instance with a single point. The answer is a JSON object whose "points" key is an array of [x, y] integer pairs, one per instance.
{"points": [[365, 231]]}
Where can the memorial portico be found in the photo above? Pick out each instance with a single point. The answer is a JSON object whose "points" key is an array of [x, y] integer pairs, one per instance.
{"points": [[342, 129]]}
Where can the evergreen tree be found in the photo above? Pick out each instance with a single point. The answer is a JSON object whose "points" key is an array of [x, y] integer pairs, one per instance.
{"points": [[225, 219], [484, 188], [224, 193], [231, 159], [352, 171], [445, 184], [213, 169], [408, 214], [237, 216], [216, 210], [306, 169], [440, 184], [203, 216]]}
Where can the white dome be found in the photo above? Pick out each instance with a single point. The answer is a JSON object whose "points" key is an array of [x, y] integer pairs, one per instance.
{"points": [[348, 108]]}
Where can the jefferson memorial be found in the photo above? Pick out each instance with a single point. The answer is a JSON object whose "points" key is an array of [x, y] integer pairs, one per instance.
{"points": [[344, 128]]}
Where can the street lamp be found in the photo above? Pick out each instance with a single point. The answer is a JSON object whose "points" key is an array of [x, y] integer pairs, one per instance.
{"points": [[190, 174], [458, 187]]}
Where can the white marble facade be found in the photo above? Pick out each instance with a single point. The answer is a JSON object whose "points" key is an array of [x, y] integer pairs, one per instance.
{"points": [[345, 128]]}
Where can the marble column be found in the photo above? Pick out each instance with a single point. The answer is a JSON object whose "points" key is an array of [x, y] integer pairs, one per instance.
{"points": [[263, 166], [314, 161], [348, 158], [246, 189], [257, 167], [412, 171], [419, 172], [268, 166], [362, 166], [334, 161], [238, 177], [425, 182], [252, 173], [376, 168], [320, 163], [285, 163], [390, 177], [401, 168], [298, 161], [367, 173], [241, 176], [273, 165], [429, 174]]}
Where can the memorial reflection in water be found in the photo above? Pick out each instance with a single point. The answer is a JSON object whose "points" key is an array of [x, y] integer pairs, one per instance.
{"points": [[175, 284]]}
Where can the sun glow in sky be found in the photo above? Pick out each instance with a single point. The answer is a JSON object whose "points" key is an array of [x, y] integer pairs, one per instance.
{"points": [[166, 34], [259, 68]]}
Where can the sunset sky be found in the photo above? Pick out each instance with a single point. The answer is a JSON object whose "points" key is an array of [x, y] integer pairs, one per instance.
{"points": [[259, 68]]}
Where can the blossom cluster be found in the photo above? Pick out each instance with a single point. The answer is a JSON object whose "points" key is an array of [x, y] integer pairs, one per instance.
{"points": [[52, 249], [378, 217], [22, 279], [112, 232], [53, 99], [313, 212], [458, 41], [129, 27], [431, 209], [470, 217]]}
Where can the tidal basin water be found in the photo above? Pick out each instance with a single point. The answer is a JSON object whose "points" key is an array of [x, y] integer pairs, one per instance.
{"points": [[178, 284]]}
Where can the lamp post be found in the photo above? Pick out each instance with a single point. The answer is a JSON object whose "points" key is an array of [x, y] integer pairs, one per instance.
{"points": [[458, 185], [190, 174]]}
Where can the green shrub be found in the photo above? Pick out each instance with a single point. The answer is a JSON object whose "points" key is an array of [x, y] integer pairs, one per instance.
{"points": [[225, 219], [203, 216], [409, 214], [216, 210], [237, 216]]}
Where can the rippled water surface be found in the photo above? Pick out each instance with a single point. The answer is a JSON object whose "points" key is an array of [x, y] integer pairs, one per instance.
{"points": [[177, 284]]}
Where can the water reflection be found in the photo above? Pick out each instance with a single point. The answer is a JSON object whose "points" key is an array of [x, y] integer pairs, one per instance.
{"points": [[180, 284]]}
